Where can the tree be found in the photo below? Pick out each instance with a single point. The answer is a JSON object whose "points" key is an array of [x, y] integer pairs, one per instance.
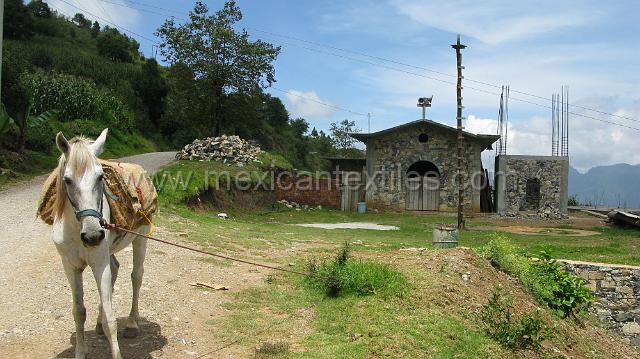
{"points": [[314, 132], [152, 89], [340, 134], [18, 22], [218, 55], [81, 21], [274, 111], [95, 29], [116, 46], [39, 8]]}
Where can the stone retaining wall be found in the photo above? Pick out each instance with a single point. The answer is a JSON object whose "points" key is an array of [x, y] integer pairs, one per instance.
{"points": [[617, 288]]}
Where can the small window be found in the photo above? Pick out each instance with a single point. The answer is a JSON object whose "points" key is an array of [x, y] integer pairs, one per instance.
{"points": [[532, 194], [423, 138]]}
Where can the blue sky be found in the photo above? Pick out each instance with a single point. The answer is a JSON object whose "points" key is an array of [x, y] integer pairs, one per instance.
{"points": [[533, 46]]}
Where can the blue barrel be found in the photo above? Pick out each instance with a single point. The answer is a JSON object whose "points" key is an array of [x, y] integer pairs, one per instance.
{"points": [[362, 207]]}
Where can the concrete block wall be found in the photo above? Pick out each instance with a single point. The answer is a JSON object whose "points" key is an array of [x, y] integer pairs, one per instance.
{"points": [[309, 190], [617, 289]]}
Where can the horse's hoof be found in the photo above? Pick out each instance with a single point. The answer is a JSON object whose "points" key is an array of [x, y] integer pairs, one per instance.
{"points": [[99, 329], [131, 332]]}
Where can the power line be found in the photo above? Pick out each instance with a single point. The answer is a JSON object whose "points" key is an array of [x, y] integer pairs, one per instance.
{"points": [[452, 83], [112, 23], [275, 88], [103, 11], [406, 72], [320, 102], [390, 61], [145, 10], [428, 70]]}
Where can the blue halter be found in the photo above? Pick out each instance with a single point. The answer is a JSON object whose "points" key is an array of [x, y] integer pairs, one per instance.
{"points": [[88, 212]]}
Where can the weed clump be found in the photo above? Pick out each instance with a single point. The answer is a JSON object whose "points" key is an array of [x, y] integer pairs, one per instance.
{"points": [[500, 324], [342, 277], [272, 350], [561, 291]]}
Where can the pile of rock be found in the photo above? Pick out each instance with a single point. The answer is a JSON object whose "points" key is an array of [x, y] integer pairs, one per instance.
{"points": [[226, 149], [551, 212], [297, 206]]}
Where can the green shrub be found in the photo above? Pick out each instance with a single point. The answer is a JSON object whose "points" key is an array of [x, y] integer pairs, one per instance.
{"points": [[500, 324], [557, 289], [569, 295], [342, 277]]}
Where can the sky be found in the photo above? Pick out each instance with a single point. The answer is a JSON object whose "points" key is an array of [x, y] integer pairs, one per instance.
{"points": [[346, 59]]}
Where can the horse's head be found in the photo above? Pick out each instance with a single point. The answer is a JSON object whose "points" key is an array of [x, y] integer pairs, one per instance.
{"points": [[80, 184]]}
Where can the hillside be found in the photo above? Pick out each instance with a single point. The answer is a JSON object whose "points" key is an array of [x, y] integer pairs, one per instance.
{"points": [[614, 185], [79, 76]]}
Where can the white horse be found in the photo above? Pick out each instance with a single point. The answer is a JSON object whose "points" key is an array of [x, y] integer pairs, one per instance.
{"points": [[81, 240]]}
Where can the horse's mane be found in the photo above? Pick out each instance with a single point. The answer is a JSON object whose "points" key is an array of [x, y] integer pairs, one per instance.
{"points": [[80, 159]]}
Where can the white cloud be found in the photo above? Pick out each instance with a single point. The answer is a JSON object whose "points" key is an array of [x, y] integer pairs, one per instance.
{"points": [[307, 104], [591, 143], [103, 12], [494, 21]]}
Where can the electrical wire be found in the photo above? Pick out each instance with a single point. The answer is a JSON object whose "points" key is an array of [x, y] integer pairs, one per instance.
{"points": [[410, 73], [396, 62], [319, 102], [112, 23]]}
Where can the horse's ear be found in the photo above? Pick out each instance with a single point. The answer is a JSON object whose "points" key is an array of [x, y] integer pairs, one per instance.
{"points": [[98, 145], [62, 143]]}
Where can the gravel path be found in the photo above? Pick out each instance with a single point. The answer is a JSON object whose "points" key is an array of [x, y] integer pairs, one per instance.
{"points": [[35, 301]]}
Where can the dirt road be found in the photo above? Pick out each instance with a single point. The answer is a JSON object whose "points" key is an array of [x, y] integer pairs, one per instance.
{"points": [[35, 300]]}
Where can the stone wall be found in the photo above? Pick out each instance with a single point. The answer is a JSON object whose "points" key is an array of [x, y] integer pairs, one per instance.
{"points": [[512, 174], [617, 288], [309, 190], [390, 155]]}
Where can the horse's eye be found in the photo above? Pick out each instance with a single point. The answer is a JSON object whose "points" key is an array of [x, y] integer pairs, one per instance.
{"points": [[100, 178], [67, 180]]}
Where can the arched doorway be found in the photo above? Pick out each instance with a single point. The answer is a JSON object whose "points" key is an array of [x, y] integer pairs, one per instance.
{"points": [[423, 187]]}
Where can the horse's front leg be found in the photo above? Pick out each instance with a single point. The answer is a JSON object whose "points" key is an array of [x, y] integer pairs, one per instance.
{"points": [[74, 275], [139, 251], [102, 274], [115, 265]]}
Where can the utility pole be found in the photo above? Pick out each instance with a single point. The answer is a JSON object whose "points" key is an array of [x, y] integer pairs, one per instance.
{"points": [[1, 38], [458, 46], [369, 122]]}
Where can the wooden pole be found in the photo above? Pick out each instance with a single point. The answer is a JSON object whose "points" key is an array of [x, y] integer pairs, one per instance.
{"points": [[458, 47], [1, 38]]}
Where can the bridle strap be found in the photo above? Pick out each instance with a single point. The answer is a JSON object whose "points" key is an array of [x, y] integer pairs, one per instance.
{"points": [[88, 212]]}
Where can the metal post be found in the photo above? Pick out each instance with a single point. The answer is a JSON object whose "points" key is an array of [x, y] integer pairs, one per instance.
{"points": [[458, 47]]}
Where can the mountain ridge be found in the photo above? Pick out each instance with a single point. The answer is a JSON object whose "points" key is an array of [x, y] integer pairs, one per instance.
{"points": [[612, 185]]}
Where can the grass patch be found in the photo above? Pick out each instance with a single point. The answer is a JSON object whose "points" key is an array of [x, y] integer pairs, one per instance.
{"points": [[343, 277], [272, 350]]}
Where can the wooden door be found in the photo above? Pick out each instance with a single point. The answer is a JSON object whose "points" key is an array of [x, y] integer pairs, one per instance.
{"points": [[423, 194], [430, 193], [413, 200], [351, 188]]}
